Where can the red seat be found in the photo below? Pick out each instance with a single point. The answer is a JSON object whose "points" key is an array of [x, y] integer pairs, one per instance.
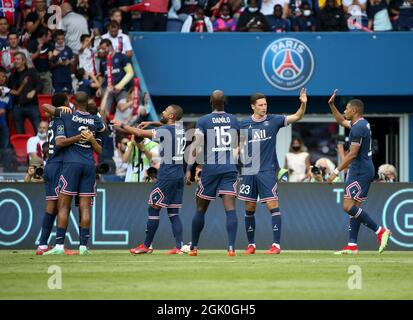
{"points": [[43, 99], [19, 143], [28, 128]]}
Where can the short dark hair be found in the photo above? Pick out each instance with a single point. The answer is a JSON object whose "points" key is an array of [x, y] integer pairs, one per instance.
{"points": [[358, 105], [42, 32], [178, 112], [80, 73], [113, 24], [59, 99], [2, 70], [107, 42], [59, 33], [83, 37], [81, 99], [13, 33], [257, 96], [19, 53]]}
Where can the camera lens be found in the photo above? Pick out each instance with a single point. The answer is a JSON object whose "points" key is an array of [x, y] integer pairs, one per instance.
{"points": [[39, 171], [315, 170]]}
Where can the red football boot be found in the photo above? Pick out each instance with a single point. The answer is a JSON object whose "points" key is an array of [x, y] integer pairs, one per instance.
{"points": [[174, 251], [40, 251], [141, 249], [193, 252], [348, 250], [231, 253], [273, 250], [250, 249]]}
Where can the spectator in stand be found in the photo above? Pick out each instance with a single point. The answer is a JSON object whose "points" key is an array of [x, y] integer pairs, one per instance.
{"points": [[296, 7], [189, 7], [34, 144], [88, 59], [175, 5], [356, 14], [331, 17], [84, 8], [225, 22], [306, 20], [122, 74], [387, 173], [297, 161], [10, 10], [121, 166], [116, 15], [213, 8], [37, 20], [197, 22], [267, 7], [120, 42], [61, 60], [123, 6], [74, 25], [24, 84], [39, 54], [87, 83], [403, 11], [7, 55], [276, 22], [155, 15], [5, 106], [378, 13], [4, 31], [251, 19]]}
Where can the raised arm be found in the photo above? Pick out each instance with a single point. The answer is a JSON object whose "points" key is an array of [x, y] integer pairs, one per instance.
{"points": [[131, 130], [337, 115], [301, 110]]}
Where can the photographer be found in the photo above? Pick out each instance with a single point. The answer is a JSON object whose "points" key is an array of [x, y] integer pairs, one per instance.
{"points": [[140, 154], [387, 173], [322, 170], [35, 170]]}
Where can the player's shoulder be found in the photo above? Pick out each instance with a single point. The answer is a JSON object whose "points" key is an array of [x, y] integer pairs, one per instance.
{"points": [[275, 117]]}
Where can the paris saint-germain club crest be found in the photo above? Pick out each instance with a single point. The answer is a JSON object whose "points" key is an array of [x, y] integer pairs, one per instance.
{"points": [[287, 64]]}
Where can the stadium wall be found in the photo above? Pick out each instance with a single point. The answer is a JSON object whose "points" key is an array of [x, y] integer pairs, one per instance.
{"points": [[191, 64], [312, 217]]}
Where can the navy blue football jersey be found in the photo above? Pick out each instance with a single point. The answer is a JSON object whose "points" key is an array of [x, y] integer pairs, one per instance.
{"points": [[220, 133], [172, 146], [56, 128], [260, 138], [82, 151], [360, 133]]}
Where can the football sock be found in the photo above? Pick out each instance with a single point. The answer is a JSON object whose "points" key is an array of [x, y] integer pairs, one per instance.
{"points": [[84, 236], [276, 225], [152, 225], [232, 225], [47, 225], [250, 226], [60, 236], [363, 217], [198, 222], [176, 224], [353, 230]]}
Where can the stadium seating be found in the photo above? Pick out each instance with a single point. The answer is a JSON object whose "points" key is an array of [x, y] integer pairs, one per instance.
{"points": [[19, 143], [174, 25], [43, 99]]}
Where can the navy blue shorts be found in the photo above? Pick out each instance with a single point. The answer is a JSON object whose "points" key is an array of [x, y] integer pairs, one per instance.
{"points": [[261, 187], [209, 186], [167, 193], [79, 179], [51, 175], [357, 186]]}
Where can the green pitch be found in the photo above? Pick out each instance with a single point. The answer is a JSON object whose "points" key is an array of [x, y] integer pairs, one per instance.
{"points": [[110, 274]]}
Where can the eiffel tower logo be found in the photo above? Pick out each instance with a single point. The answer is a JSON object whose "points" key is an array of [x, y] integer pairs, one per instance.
{"points": [[287, 64]]}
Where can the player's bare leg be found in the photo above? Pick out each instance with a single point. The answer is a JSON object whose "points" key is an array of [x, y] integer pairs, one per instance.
{"points": [[274, 210], [84, 224], [64, 202], [47, 225], [232, 222], [250, 208], [198, 222]]}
